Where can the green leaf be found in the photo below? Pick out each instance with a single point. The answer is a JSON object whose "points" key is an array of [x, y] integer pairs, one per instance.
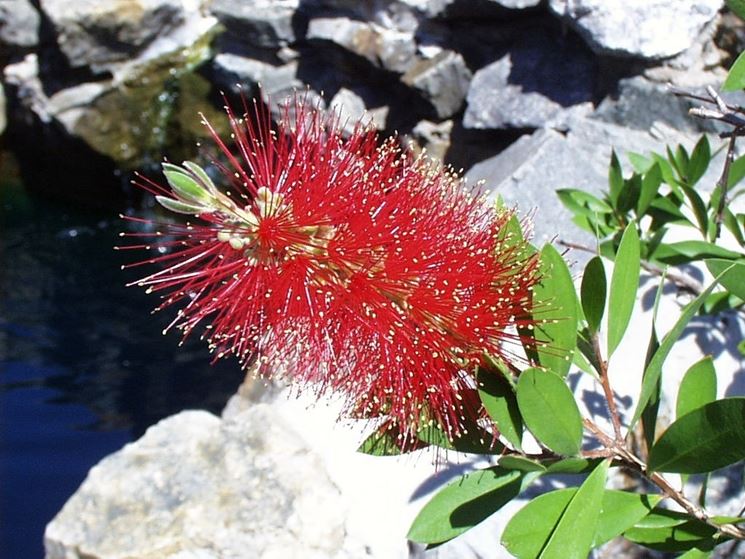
{"points": [[698, 207], [572, 465], [698, 387], [500, 402], [179, 207], [529, 530], [736, 171], [475, 441], [738, 7], [514, 462], [731, 275], [381, 443], [639, 162], [651, 182], [201, 174], [184, 186], [463, 504], [687, 251], [667, 530], [733, 226], [623, 286], [582, 203], [549, 410], [736, 75], [574, 533], [699, 162], [703, 440], [593, 292], [620, 511], [556, 299], [695, 553], [653, 370], [615, 179]]}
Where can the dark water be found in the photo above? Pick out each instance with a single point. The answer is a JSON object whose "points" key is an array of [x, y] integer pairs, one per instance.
{"points": [[83, 365]]}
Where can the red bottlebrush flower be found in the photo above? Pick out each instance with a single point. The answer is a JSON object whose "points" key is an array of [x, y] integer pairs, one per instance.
{"points": [[347, 266]]}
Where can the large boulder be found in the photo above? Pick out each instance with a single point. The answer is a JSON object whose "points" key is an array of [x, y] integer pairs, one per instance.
{"points": [[104, 35], [539, 82], [442, 80], [19, 25], [650, 29], [260, 23], [197, 486]]}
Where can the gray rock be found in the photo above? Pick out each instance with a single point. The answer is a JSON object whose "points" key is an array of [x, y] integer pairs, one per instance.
{"points": [[443, 80], [528, 173], [96, 34], [261, 23], [638, 28], [541, 81], [19, 24], [642, 104], [352, 110], [389, 49], [433, 137], [197, 486]]}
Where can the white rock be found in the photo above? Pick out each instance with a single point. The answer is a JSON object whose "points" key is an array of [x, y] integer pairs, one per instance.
{"points": [[197, 486], [651, 29]]}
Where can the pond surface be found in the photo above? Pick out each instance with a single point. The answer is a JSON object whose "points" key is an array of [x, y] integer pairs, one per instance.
{"points": [[84, 368]]}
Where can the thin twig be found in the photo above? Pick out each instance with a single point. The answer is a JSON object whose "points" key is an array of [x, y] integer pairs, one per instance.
{"points": [[723, 182], [605, 383]]}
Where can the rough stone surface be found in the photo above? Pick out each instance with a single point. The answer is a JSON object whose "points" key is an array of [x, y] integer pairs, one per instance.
{"points": [[651, 29], [197, 486], [389, 49], [442, 80], [19, 24], [261, 23], [98, 34], [541, 82], [433, 137], [529, 171], [351, 110]]}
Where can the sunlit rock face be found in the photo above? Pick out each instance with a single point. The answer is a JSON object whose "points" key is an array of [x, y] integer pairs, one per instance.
{"points": [[198, 486], [651, 29]]}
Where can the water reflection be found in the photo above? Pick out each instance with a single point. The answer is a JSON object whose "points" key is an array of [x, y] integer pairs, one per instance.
{"points": [[83, 364]]}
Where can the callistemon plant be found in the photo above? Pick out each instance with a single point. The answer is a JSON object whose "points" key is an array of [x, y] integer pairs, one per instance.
{"points": [[344, 265]]}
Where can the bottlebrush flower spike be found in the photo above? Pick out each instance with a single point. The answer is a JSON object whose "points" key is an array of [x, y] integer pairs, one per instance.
{"points": [[344, 265]]}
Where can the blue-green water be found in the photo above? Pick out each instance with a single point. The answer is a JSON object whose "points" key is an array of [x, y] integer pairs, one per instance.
{"points": [[83, 365]]}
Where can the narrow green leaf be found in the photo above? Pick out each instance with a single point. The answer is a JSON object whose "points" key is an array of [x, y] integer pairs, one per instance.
{"points": [[695, 553], [736, 75], [466, 502], [698, 207], [738, 7], [514, 462], [666, 530], [180, 207], [703, 440], [185, 187], [572, 538], [549, 410], [651, 182], [731, 274], [556, 299], [572, 465], [593, 292], [736, 171], [528, 531], [615, 179], [581, 202], [653, 370], [201, 174], [699, 162], [620, 511], [623, 286], [687, 251], [698, 387], [639, 162], [733, 226], [500, 402], [380, 443], [475, 441]]}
